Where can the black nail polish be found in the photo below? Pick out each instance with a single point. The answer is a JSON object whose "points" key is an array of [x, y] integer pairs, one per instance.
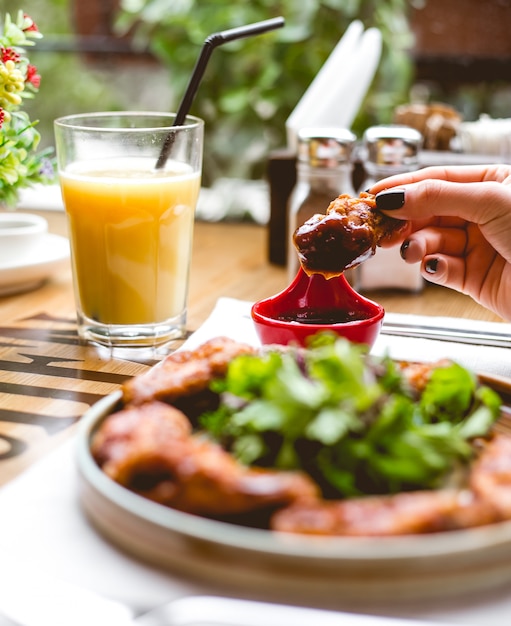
{"points": [[404, 247], [431, 266], [390, 199]]}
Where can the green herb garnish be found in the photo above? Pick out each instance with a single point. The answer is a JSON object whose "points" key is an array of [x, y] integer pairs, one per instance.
{"points": [[349, 419]]}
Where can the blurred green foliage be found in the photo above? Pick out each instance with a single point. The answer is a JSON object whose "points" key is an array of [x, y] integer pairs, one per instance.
{"points": [[67, 84], [251, 85]]}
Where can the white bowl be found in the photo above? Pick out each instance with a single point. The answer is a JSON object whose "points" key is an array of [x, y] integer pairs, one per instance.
{"points": [[19, 234]]}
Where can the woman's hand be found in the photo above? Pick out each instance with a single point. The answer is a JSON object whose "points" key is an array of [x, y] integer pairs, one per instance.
{"points": [[459, 228]]}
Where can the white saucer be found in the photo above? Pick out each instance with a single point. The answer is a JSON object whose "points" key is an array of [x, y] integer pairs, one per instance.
{"points": [[50, 254]]}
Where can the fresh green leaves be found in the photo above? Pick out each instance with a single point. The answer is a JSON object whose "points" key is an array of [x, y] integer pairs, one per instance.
{"points": [[351, 420], [448, 394]]}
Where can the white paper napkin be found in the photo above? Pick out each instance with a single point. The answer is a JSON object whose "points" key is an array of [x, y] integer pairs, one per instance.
{"points": [[304, 113], [335, 95], [41, 521]]}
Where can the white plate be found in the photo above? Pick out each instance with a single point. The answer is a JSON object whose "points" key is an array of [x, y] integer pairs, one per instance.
{"points": [[50, 255], [357, 571]]}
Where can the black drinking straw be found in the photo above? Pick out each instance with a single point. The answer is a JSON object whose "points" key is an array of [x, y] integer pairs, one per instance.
{"points": [[210, 43]]}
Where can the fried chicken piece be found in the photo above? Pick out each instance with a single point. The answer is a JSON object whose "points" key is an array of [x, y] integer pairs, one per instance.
{"points": [[211, 482], [344, 237], [132, 445], [405, 513], [400, 514], [490, 478], [184, 373], [150, 450]]}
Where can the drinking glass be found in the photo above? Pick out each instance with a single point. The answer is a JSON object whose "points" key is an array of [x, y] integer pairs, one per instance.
{"points": [[130, 183]]}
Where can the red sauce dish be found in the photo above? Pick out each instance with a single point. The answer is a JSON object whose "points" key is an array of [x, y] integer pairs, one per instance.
{"points": [[311, 304]]}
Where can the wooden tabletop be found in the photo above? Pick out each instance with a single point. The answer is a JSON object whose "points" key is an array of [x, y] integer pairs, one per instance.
{"points": [[48, 379]]}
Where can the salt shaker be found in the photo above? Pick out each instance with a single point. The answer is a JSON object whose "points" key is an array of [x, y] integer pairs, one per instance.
{"points": [[387, 150], [324, 171]]}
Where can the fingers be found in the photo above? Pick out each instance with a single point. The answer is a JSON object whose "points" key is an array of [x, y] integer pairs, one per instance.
{"points": [[463, 174], [444, 270], [428, 241], [487, 282], [479, 203], [459, 227]]}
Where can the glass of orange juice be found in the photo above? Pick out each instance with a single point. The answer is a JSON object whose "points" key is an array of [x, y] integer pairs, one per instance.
{"points": [[130, 183]]}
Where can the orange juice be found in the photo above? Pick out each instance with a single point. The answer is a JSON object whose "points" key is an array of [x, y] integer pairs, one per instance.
{"points": [[131, 230]]}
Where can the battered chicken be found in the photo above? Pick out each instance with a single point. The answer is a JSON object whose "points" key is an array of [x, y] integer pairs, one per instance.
{"points": [[490, 478], [344, 237], [150, 450], [400, 514], [184, 373], [132, 447]]}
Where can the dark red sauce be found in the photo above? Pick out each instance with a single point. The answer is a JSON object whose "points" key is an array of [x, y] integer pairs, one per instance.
{"points": [[323, 316]]}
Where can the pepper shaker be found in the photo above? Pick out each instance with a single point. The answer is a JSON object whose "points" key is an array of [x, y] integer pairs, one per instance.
{"points": [[388, 150]]}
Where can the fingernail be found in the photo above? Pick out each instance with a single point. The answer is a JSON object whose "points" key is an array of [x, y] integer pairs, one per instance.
{"points": [[431, 266], [390, 199], [404, 247]]}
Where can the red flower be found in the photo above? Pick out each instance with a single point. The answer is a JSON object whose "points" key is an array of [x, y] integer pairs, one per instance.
{"points": [[2, 117], [32, 24], [8, 54], [32, 76]]}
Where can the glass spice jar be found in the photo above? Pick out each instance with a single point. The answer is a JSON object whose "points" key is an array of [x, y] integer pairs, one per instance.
{"points": [[388, 150], [324, 171]]}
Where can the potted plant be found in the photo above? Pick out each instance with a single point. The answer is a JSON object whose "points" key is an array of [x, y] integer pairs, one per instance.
{"points": [[21, 165]]}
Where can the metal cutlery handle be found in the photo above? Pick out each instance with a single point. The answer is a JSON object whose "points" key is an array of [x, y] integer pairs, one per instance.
{"points": [[457, 335]]}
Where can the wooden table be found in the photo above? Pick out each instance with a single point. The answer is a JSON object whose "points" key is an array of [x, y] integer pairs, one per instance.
{"points": [[48, 379]]}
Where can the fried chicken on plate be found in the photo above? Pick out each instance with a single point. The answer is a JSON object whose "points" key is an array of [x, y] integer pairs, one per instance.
{"points": [[184, 373], [153, 448]]}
